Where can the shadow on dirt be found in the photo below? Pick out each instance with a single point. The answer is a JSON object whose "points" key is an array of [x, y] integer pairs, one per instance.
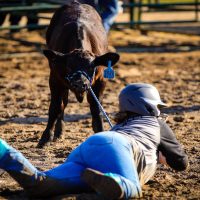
{"points": [[77, 117], [180, 109], [169, 48], [36, 120], [20, 194], [10, 194]]}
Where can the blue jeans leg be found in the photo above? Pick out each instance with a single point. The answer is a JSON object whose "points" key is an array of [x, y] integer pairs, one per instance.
{"points": [[20, 168], [60, 180], [69, 175], [110, 152], [110, 11], [107, 152]]}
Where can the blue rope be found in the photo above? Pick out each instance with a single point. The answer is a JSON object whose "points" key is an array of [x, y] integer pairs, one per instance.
{"points": [[70, 77], [100, 106]]}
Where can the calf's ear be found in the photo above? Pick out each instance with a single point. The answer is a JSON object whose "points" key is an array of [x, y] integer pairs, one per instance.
{"points": [[52, 55], [103, 60]]}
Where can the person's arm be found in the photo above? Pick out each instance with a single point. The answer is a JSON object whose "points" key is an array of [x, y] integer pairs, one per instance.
{"points": [[171, 149]]}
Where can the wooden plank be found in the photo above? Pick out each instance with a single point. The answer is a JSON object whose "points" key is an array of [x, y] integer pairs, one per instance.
{"points": [[19, 55], [25, 42], [38, 7], [17, 27], [159, 5], [154, 22]]}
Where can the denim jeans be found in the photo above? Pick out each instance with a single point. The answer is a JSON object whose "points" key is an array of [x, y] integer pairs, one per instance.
{"points": [[108, 152], [108, 10]]}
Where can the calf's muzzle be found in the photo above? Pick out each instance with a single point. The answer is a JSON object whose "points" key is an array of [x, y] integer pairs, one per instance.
{"points": [[78, 81]]}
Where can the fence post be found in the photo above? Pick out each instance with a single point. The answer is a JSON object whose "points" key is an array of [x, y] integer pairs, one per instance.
{"points": [[132, 13], [139, 13], [197, 10]]}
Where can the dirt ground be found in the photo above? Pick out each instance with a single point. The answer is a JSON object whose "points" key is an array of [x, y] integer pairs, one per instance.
{"points": [[171, 62]]}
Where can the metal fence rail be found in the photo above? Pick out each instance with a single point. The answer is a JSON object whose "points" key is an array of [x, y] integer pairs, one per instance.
{"points": [[138, 8], [34, 8], [29, 8]]}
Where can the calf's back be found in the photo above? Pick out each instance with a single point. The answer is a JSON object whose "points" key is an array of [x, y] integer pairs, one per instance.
{"points": [[76, 26]]}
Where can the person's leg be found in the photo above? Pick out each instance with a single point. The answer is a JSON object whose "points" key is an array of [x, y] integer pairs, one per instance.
{"points": [[18, 166], [2, 18], [14, 21], [64, 179], [68, 175], [109, 12], [111, 153], [32, 20], [60, 180]]}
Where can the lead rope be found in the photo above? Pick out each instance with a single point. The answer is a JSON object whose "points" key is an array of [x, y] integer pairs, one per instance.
{"points": [[100, 106], [96, 99], [107, 74]]}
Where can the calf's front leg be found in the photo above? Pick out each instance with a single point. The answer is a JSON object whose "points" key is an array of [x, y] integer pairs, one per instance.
{"points": [[97, 123], [59, 127], [55, 109]]}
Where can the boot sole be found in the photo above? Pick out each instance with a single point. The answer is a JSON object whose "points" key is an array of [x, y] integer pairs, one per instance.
{"points": [[105, 185]]}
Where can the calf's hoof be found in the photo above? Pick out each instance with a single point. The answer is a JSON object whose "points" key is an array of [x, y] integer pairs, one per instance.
{"points": [[57, 138], [45, 140], [59, 129]]}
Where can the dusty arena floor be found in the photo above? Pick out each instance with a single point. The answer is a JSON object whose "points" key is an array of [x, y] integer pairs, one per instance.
{"points": [[169, 61]]}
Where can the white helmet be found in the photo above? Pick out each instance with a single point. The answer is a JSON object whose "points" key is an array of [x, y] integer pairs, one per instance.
{"points": [[140, 98]]}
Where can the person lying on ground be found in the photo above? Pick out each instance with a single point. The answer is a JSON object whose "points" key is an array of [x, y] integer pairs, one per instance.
{"points": [[115, 163]]}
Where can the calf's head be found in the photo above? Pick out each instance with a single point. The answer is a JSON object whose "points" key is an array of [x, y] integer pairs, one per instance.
{"points": [[77, 69]]}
